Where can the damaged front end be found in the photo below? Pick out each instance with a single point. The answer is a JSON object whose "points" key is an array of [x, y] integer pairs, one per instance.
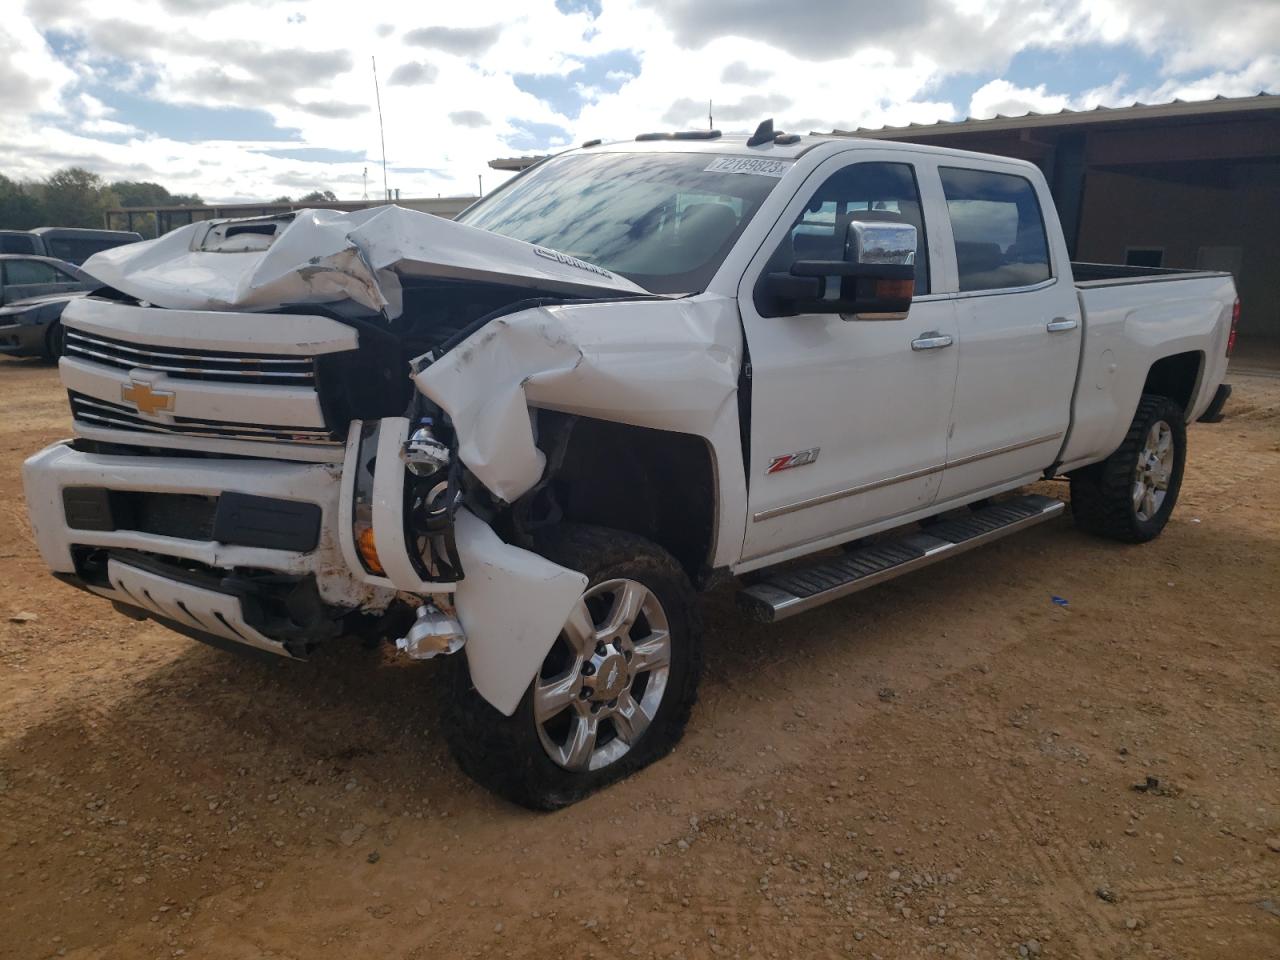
{"points": [[413, 529], [427, 346]]}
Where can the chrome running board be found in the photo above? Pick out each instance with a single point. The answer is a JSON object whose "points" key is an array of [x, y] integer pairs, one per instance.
{"points": [[799, 588]]}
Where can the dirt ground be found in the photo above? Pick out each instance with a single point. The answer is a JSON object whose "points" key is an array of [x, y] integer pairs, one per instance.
{"points": [[942, 766]]}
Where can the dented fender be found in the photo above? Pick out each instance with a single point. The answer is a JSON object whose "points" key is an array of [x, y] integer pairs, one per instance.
{"points": [[512, 604], [664, 364]]}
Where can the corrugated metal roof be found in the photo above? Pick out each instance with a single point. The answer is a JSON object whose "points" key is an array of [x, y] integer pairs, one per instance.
{"points": [[1135, 111]]}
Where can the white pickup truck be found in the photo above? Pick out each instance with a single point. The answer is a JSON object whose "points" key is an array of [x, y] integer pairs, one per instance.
{"points": [[527, 438]]}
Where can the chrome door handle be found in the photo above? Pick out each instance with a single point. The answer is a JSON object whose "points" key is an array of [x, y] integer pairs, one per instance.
{"points": [[931, 340], [1060, 325]]}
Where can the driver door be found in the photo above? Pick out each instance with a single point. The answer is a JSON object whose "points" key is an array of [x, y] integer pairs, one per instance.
{"points": [[848, 417]]}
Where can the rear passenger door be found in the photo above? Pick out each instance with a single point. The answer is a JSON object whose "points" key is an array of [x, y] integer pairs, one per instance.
{"points": [[1019, 330]]}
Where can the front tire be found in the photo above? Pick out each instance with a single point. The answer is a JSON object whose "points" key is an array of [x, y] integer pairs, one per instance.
{"points": [[54, 341], [1130, 495], [614, 693]]}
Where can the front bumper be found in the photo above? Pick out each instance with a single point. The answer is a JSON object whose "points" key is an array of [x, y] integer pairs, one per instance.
{"points": [[180, 579]]}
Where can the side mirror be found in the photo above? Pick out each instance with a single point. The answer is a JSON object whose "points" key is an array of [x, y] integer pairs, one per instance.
{"points": [[875, 280]]}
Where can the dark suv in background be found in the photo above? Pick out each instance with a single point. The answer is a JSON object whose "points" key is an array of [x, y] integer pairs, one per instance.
{"points": [[33, 293], [72, 244]]}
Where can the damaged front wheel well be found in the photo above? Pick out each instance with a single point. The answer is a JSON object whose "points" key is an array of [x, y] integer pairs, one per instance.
{"points": [[657, 484]]}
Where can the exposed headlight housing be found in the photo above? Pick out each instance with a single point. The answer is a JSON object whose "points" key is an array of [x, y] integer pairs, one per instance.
{"points": [[423, 454]]}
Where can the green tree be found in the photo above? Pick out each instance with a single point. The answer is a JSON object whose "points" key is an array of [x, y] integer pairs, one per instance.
{"points": [[322, 196], [144, 193], [20, 208], [74, 197]]}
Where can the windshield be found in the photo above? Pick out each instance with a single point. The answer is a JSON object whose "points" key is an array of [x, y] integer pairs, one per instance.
{"points": [[664, 221]]}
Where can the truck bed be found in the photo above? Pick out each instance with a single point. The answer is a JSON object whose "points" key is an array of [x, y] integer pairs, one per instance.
{"points": [[1134, 317], [1111, 274]]}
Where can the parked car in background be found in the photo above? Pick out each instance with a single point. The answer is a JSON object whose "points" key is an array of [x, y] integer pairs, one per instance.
{"points": [[33, 293], [72, 244]]}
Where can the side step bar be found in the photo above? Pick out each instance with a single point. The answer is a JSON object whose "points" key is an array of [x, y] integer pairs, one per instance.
{"points": [[797, 589]]}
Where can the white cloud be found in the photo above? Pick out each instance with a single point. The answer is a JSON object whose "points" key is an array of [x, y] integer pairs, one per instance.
{"points": [[32, 78], [1255, 77], [1002, 98], [1191, 35], [109, 127], [832, 63]]}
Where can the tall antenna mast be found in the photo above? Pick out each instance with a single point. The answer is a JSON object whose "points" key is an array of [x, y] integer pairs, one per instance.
{"points": [[386, 194]]}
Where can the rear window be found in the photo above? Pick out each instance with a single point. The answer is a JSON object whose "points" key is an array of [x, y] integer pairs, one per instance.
{"points": [[78, 251], [17, 243], [998, 228]]}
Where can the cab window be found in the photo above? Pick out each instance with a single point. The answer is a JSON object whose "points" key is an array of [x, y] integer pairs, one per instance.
{"points": [[998, 228], [21, 272], [882, 192]]}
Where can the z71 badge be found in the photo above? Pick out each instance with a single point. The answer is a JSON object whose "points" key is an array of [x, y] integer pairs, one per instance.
{"points": [[788, 460]]}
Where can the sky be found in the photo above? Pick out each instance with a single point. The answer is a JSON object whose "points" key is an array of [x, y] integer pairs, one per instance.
{"points": [[254, 99]]}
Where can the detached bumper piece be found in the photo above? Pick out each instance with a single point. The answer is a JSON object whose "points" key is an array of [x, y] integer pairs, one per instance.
{"points": [[1213, 414], [194, 611], [799, 588]]}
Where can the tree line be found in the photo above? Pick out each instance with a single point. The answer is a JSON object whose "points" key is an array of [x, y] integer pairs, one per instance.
{"points": [[75, 197]]}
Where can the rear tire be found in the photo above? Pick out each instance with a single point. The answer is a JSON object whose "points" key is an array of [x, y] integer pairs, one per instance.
{"points": [[1130, 495], [624, 688]]}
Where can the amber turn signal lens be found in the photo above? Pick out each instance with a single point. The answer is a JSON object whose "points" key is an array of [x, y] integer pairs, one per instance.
{"points": [[369, 551], [895, 289]]}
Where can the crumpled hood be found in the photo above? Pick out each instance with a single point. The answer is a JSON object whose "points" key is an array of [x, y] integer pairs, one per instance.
{"points": [[332, 257]]}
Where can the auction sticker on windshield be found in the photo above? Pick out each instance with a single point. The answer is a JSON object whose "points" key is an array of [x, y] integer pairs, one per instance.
{"points": [[756, 165]]}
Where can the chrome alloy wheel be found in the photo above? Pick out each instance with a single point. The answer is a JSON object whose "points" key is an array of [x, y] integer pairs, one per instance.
{"points": [[603, 681], [1154, 470]]}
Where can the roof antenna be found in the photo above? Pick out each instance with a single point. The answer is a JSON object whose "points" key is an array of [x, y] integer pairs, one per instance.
{"points": [[386, 194], [763, 134]]}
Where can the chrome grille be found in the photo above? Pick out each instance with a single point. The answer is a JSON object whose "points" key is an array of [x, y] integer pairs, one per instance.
{"points": [[92, 412], [218, 366]]}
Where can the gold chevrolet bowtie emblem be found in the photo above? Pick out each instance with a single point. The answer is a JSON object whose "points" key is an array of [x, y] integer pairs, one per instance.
{"points": [[147, 400]]}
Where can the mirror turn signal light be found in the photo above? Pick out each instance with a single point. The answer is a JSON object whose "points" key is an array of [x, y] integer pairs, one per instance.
{"points": [[895, 289]]}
